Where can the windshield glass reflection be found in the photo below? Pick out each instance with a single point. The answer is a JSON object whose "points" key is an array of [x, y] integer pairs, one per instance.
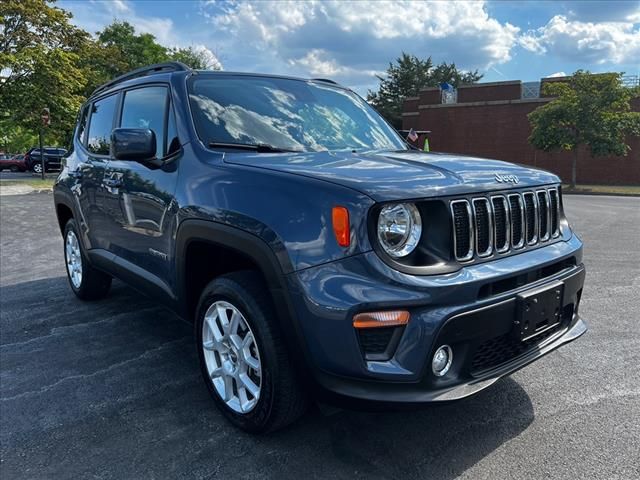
{"points": [[286, 113]]}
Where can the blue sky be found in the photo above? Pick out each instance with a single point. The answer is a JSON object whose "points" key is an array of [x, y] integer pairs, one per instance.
{"points": [[352, 41]]}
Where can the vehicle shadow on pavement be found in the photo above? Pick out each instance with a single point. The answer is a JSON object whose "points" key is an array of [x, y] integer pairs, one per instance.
{"points": [[117, 383], [432, 442]]}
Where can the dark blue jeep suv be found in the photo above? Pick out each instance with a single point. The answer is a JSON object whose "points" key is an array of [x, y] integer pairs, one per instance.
{"points": [[315, 251]]}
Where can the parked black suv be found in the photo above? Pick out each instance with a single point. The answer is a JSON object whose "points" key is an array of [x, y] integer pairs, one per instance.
{"points": [[314, 250], [52, 159]]}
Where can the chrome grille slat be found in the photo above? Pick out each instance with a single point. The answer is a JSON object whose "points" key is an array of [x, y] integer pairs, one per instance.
{"points": [[531, 217], [554, 208], [517, 220], [483, 223], [491, 225], [463, 234], [543, 215], [501, 223]]}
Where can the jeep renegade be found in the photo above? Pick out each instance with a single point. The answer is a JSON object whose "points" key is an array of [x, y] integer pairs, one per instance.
{"points": [[315, 251]]}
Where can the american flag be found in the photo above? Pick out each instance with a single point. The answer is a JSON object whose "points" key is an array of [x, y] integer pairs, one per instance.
{"points": [[413, 136]]}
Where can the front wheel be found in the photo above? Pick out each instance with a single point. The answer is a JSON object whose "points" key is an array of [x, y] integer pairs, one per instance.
{"points": [[243, 357], [14, 168], [37, 167], [85, 281]]}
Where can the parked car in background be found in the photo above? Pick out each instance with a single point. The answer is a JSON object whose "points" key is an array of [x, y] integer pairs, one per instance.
{"points": [[52, 159], [15, 163]]}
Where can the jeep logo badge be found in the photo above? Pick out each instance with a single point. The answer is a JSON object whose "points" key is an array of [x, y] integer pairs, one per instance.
{"points": [[507, 178]]}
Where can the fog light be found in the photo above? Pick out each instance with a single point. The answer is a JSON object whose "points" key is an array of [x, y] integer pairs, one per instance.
{"points": [[442, 359]]}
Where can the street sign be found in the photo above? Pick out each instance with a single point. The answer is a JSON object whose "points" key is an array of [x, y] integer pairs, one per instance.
{"points": [[46, 117]]}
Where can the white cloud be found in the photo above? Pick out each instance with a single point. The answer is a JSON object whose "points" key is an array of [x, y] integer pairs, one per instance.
{"points": [[556, 75], [121, 6], [587, 42], [357, 39], [211, 58], [95, 15]]}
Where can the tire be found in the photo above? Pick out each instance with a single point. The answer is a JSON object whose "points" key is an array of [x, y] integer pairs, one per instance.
{"points": [[89, 284], [280, 400], [14, 169], [37, 167]]}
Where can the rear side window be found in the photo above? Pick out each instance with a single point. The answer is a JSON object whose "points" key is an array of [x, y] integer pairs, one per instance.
{"points": [[82, 126], [145, 108], [101, 124]]}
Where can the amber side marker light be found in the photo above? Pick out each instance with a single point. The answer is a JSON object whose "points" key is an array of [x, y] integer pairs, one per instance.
{"points": [[340, 218], [393, 318]]}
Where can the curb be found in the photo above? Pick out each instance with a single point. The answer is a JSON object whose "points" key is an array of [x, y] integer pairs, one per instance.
{"points": [[601, 194]]}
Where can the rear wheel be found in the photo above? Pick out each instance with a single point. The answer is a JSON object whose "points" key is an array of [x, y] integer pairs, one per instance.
{"points": [[85, 281], [243, 356]]}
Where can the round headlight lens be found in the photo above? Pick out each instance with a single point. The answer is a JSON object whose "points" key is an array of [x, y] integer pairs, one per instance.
{"points": [[399, 229]]}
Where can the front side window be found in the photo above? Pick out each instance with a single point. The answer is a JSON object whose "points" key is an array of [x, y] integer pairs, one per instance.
{"points": [[286, 114], [145, 108], [101, 125]]}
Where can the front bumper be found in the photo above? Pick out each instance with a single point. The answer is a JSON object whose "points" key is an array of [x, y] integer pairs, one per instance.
{"points": [[472, 310]]}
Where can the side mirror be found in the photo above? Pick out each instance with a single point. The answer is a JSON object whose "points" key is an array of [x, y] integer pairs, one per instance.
{"points": [[135, 144]]}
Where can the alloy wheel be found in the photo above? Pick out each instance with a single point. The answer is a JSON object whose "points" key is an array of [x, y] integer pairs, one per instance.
{"points": [[232, 357], [74, 259]]}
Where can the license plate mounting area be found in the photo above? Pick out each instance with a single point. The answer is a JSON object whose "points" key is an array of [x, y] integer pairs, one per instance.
{"points": [[539, 310]]}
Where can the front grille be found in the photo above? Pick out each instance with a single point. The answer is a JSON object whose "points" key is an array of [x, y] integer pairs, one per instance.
{"points": [[499, 350], [501, 223]]}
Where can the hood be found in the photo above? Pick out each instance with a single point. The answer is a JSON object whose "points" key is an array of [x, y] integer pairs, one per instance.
{"points": [[400, 175]]}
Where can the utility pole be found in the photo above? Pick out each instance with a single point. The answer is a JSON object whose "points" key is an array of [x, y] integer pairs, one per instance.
{"points": [[46, 121]]}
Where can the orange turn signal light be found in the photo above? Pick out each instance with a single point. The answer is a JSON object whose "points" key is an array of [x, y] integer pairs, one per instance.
{"points": [[393, 318], [340, 217]]}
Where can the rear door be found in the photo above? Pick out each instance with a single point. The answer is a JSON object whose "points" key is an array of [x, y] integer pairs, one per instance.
{"points": [[140, 196]]}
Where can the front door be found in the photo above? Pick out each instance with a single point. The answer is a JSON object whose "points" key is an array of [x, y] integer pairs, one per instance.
{"points": [[89, 167], [139, 198]]}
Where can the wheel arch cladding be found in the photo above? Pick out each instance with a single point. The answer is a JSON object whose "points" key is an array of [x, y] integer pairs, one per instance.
{"points": [[236, 245]]}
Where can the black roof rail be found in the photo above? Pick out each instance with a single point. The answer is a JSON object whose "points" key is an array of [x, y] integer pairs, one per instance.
{"points": [[324, 80], [142, 72]]}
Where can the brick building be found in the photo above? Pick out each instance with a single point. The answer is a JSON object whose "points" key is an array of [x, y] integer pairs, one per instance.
{"points": [[490, 120]]}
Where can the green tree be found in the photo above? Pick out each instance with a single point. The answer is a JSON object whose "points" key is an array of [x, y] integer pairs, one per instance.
{"points": [[16, 139], [406, 77], [592, 110], [133, 51], [196, 59], [41, 67]]}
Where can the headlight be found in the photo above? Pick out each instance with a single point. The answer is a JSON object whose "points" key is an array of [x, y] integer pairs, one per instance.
{"points": [[399, 229]]}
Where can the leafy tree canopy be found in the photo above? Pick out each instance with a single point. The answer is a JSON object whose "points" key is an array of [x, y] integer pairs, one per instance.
{"points": [[45, 61], [593, 110], [40, 64], [406, 76]]}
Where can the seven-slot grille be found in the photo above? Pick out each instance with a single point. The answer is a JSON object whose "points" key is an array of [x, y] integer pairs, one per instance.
{"points": [[500, 223]]}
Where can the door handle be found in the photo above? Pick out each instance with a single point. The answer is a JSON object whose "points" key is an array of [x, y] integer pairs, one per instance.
{"points": [[112, 182]]}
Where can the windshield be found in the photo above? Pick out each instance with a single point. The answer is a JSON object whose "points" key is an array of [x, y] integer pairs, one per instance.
{"points": [[286, 114]]}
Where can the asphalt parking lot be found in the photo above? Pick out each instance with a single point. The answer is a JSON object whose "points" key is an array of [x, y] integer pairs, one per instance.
{"points": [[112, 389]]}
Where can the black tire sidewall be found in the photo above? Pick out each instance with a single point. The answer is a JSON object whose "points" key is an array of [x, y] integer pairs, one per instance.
{"points": [[226, 290]]}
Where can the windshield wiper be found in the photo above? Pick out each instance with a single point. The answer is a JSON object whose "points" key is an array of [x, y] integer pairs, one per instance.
{"points": [[257, 147]]}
